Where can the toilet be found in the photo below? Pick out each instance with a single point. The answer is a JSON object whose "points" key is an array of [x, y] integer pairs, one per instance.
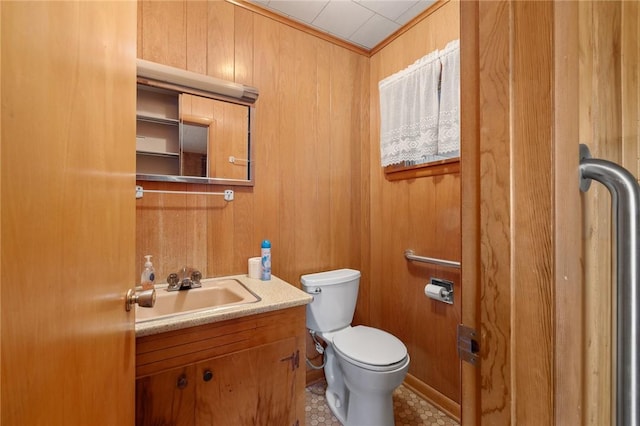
{"points": [[362, 365]]}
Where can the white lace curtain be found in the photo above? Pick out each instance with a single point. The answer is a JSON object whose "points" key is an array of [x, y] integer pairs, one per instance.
{"points": [[418, 121]]}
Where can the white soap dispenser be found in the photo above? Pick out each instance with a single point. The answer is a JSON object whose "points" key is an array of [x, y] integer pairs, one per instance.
{"points": [[148, 276]]}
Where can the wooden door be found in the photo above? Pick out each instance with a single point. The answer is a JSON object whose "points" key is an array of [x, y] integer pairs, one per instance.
{"points": [[539, 78], [167, 398], [67, 212], [251, 387], [517, 192]]}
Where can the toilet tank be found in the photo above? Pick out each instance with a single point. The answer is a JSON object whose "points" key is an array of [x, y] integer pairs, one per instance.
{"points": [[334, 298]]}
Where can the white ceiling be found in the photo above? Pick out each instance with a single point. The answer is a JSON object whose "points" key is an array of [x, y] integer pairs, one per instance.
{"points": [[364, 23]]}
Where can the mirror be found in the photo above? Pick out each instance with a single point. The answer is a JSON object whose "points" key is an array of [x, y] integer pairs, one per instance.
{"points": [[192, 137], [195, 148]]}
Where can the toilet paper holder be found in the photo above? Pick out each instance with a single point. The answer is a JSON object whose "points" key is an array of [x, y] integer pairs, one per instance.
{"points": [[439, 289]]}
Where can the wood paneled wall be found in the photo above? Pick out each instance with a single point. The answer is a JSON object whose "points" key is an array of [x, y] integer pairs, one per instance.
{"points": [[311, 122], [422, 214], [320, 194]]}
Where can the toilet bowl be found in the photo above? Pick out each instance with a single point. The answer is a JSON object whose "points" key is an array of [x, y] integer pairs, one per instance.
{"points": [[363, 365], [372, 369]]}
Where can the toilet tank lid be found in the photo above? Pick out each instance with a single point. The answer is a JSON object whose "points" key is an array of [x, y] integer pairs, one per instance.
{"points": [[337, 276]]}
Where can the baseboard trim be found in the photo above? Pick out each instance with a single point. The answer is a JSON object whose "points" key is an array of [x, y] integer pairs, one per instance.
{"points": [[314, 376], [428, 393]]}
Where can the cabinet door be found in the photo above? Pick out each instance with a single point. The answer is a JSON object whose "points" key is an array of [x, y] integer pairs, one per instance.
{"points": [[166, 398], [157, 132], [251, 387]]}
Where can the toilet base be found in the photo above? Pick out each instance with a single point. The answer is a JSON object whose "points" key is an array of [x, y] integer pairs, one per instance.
{"points": [[336, 405], [368, 399], [368, 410], [337, 394], [365, 410]]}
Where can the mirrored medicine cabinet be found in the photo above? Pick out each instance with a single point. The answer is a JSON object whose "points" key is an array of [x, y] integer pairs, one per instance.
{"points": [[187, 134]]}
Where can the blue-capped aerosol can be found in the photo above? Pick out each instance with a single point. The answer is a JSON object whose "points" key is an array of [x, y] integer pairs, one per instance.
{"points": [[265, 260]]}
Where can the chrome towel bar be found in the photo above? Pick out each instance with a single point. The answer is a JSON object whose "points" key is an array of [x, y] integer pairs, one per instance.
{"points": [[411, 256], [227, 194]]}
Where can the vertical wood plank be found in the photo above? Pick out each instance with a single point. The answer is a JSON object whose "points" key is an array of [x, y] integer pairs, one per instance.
{"points": [[569, 285], [303, 148], [196, 36], [289, 84], [1, 138], [360, 181], [321, 259], [495, 205], [630, 46], [139, 28], [267, 208], [532, 213], [220, 40], [375, 249], [600, 129], [167, 46], [470, 201], [243, 47], [243, 226], [340, 163]]}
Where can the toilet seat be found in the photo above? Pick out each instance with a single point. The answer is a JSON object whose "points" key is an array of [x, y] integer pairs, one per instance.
{"points": [[370, 348]]}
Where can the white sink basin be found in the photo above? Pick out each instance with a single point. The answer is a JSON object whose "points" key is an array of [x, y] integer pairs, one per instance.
{"points": [[214, 294]]}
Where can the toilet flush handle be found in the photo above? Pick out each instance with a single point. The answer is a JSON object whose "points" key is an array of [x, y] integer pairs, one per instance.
{"points": [[315, 290]]}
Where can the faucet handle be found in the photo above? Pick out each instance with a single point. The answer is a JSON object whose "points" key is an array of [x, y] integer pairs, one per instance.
{"points": [[196, 276], [173, 280]]}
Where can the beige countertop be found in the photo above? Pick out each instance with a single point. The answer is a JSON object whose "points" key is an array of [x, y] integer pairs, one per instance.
{"points": [[275, 294]]}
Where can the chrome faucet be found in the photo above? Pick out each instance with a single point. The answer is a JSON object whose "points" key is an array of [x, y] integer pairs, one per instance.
{"points": [[185, 279]]}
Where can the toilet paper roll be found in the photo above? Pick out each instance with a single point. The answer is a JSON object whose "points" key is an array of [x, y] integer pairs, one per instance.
{"points": [[254, 268], [434, 291]]}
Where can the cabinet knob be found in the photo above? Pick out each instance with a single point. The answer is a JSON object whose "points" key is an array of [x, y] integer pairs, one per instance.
{"points": [[207, 375], [182, 381]]}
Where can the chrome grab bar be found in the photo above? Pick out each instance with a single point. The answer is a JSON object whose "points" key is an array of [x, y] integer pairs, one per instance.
{"points": [[409, 255], [625, 200]]}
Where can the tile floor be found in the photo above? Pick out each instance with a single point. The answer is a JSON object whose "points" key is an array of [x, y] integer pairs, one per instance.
{"points": [[409, 409]]}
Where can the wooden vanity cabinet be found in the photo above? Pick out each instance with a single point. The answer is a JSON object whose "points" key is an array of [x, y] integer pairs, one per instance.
{"points": [[244, 371]]}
